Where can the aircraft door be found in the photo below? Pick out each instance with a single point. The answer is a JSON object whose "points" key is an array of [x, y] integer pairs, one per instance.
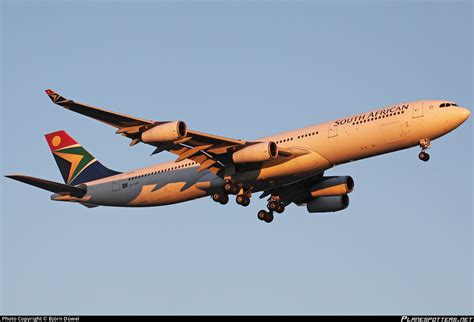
{"points": [[418, 110], [332, 131], [116, 185]]}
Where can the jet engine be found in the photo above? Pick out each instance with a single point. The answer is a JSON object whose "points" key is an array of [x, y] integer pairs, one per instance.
{"points": [[167, 132], [332, 186], [328, 204], [259, 152]]}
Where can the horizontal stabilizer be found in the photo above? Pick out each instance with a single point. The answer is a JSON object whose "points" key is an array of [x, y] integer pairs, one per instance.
{"points": [[52, 186]]}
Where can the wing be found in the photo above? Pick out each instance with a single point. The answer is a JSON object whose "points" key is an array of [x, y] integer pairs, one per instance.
{"points": [[294, 192], [52, 186], [210, 151]]}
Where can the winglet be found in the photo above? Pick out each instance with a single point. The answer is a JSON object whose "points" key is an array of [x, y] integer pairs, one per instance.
{"points": [[55, 97]]}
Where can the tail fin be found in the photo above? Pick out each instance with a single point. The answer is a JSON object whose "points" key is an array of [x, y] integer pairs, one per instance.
{"points": [[74, 162]]}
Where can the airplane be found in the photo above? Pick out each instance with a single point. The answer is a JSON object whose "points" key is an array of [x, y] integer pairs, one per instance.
{"points": [[287, 168]]}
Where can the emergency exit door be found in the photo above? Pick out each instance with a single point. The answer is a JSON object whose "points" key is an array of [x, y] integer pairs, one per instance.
{"points": [[417, 110]]}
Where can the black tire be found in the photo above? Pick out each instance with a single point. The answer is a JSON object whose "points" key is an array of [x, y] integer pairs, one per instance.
{"points": [[262, 214], [246, 202], [272, 205], [269, 217], [228, 187], [280, 208], [216, 196], [235, 190], [224, 199], [423, 156], [240, 199]]}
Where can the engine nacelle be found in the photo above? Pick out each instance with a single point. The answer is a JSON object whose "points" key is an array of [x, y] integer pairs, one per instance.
{"points": [[167, 132], [333, 186], [328, 204], [259, 152]]}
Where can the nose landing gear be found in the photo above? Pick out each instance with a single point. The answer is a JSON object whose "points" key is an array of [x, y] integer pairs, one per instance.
{"points": [[424, 156], [424, 145]]}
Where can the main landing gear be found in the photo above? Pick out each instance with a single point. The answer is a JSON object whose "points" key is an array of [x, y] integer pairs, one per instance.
{"points": [[243, 198], [243, 195], [274, 205], [424, 145]]}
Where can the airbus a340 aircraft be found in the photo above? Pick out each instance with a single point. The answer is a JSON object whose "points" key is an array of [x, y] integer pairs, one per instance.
{"points": [[287, 167]]}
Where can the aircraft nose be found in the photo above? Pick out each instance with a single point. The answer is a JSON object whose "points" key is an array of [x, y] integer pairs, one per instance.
{"points": [[464, 114]]}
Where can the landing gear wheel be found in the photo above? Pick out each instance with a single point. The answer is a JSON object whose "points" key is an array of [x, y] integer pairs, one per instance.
{"points": [[272, 205], [424, 156], [235, 190], [424, 145], [262, 214], [224, 199], [246, 202], [280, 208], [269, 217], [216, 196], [220, 198], [230, 187], [242, 200], [265, 216]]}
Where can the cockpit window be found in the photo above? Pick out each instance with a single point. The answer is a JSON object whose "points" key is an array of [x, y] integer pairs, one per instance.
{"points": [[448, 104]]}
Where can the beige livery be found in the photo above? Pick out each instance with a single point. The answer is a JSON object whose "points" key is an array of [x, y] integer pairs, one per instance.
{"points": [[287, 168]]}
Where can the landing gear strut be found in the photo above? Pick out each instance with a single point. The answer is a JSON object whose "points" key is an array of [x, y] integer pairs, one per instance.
{"points": [[424, 145]]}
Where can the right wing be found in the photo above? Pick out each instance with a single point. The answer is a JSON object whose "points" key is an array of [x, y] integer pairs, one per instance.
{"points": [[210, 151], [56, 187]]}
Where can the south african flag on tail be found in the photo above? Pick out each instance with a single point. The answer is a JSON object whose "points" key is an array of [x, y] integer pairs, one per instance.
{"points": [[75, 163]]}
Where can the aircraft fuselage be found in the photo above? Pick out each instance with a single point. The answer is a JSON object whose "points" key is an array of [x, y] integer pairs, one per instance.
{"points": [[317, 148]]}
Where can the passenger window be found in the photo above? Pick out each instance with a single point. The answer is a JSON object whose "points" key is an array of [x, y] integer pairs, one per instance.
{"points": [[443, 105]]}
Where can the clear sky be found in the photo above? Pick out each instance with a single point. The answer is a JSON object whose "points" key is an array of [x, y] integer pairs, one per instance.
{"points": [[240, 69]]}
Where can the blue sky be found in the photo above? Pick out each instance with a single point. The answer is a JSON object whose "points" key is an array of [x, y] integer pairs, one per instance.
{"points": [[242, 69]]}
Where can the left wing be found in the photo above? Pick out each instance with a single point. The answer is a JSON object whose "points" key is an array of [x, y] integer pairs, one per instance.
{"points": [[210, 151]]}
